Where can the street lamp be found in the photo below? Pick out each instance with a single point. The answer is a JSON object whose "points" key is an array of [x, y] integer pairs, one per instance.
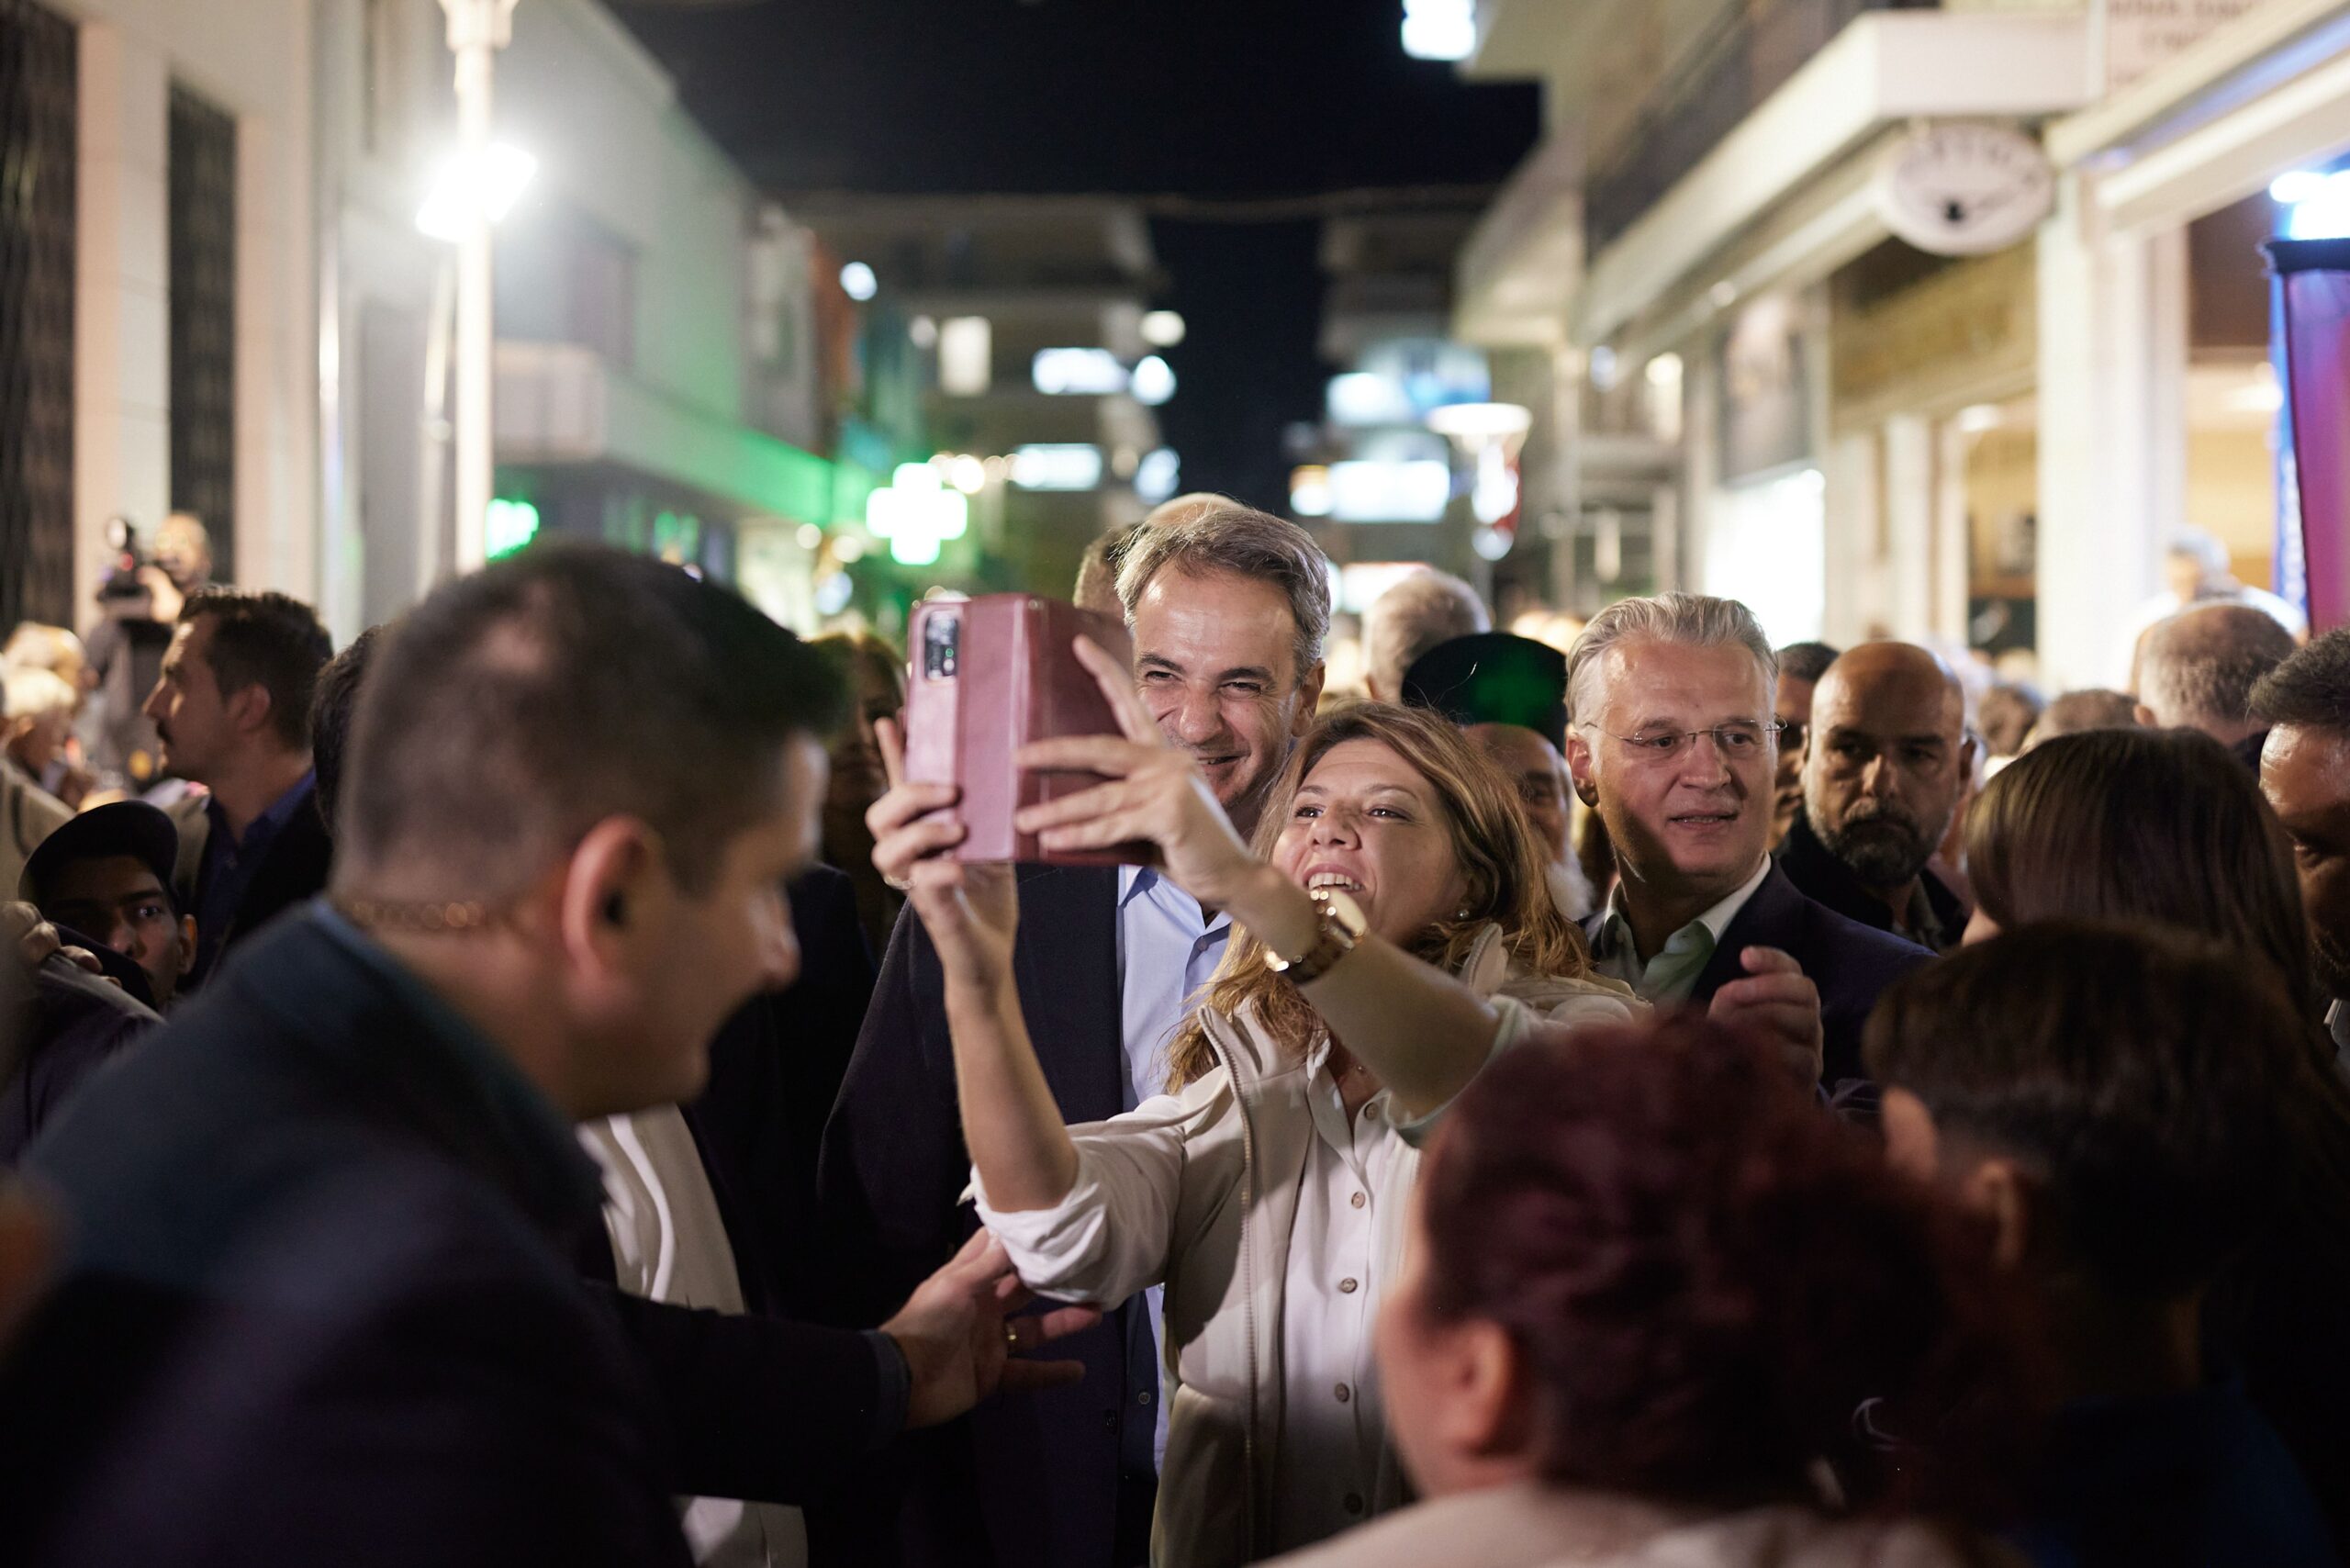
{"points": [[477, 31]]}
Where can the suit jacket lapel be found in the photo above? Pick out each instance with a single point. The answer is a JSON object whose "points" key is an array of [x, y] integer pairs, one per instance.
{"points": [[1760, 921]]}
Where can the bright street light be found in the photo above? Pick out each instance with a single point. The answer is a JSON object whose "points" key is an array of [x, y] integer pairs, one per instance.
{"points": [[1440, 30], [1162, 329], [487, 185], [858, 282]]}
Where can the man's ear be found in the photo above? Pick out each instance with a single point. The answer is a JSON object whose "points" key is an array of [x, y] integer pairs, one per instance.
{"points": [[609, 895], [1309, 691], [188, 945], [249, 709], [2145, 717], [1582, 767]]}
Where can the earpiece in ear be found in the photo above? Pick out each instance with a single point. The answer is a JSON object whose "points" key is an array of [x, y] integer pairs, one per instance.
{"points": [[616, 910]]}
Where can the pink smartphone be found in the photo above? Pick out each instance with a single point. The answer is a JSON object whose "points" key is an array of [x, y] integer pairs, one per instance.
{"points": [[988, 675]]}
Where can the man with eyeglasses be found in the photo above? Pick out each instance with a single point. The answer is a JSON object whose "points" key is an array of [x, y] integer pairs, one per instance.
{"points": [[1889, 762], [1674, 741]]}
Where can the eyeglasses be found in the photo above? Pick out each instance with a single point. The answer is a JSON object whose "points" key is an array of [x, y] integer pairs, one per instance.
{"points": [[1736, 741]]}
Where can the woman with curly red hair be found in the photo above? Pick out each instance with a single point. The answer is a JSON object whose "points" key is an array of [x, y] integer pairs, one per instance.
{"points": [[1659, 1308]]}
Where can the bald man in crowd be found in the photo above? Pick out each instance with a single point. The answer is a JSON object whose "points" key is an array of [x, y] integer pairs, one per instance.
{"points": [[1426, 608], [2196, 671], [1890, 760]]}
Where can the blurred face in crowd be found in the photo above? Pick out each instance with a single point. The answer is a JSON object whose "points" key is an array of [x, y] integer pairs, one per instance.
{"points": [[2305, 773], [681, 959], [1367, 822], [1538, 772], [183, 550], [1793, 710], [39, 737], [857, 776], [1690, 816], [1215, 659], [1464, 1381], [1890, 760], [116, 900]]}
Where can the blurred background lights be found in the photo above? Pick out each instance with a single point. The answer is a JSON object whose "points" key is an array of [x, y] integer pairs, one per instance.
{"points": [[967, 473], [1440, 30], [2317, 206], [915, 512], [1156, 476], [858, 282], [489, 185], [1078, 373], [1162, 329], [1057, 465], [1154, 382]]}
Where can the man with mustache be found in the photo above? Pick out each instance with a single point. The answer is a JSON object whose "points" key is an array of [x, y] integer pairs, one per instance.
{"points": [[1890, 759], [1800, 666]]}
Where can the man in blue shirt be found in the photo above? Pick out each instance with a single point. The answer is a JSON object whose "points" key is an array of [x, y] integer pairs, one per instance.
{"points": [[233, 709]]}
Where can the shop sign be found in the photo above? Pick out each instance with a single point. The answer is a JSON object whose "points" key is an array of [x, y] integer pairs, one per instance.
{"points": [[2142, 34]]}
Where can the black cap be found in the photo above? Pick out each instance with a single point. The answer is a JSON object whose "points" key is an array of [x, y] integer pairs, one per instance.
{"points": [[127, 827], [1494, 677]]}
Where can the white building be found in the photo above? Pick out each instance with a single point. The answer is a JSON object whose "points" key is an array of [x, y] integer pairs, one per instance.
{"points": [[1989, 449]]}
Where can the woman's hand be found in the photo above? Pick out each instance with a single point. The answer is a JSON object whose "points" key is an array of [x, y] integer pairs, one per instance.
{"points": [[1155, 794], [970, 912]]}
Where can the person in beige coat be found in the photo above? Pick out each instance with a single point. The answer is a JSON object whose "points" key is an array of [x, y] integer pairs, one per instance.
{"points": [[1660, 1309], [1393, 932]]}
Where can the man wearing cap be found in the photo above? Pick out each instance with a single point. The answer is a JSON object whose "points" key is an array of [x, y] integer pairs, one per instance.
{"points": [[106, 875], [1510, 695]]}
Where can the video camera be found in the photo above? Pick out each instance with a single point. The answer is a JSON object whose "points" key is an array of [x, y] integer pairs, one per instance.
{"points": [[122, 582]]}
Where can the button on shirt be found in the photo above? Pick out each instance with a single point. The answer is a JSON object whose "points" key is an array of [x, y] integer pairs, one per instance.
{"points": [[1168, 946], [1332, 1425], [1671, 974]]}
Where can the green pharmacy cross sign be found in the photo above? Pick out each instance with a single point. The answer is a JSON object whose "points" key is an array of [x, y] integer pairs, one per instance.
{"points": [[916, 512]]}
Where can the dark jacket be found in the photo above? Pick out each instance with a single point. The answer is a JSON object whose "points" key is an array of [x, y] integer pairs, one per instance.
{"points": [[293, 871], [66, 1026], [1062, 1479], [775, 1070], [319, 1305], [1820, 877], [1851, 963]]}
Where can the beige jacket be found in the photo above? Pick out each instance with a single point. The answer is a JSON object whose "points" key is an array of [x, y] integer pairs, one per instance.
{"points": [[1538, 1527], [1199, 1191]]}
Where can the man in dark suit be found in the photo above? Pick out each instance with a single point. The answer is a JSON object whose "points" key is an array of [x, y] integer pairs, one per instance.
{"points": [[1670, 701], [233, 709], [317, 1304], [1889, 762], [1228, 607]]}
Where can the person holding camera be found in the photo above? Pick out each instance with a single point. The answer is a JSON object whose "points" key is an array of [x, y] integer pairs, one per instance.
{"points": [[1393, 930], [140, 601]]}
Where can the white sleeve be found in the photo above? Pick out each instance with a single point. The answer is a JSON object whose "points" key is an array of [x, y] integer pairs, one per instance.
{"points": [[1110, 1237]]}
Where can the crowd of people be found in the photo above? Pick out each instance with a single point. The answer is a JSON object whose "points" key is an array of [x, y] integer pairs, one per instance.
{"points": [[540, 1085]]}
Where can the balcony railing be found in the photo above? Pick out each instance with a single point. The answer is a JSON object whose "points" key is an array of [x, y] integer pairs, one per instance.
{"points": [[1750, 57]]}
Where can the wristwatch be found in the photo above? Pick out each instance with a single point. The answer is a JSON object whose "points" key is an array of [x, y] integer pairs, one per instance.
{"points": [[1342, 926]]}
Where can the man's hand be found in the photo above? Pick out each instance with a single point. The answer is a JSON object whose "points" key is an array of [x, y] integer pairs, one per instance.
{"points": [[35, 939], [957, 1336], [1779, 1003], [1155, 795]]}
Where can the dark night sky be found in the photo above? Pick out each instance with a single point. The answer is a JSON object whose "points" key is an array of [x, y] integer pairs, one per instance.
{"points": [[1232, 99]]}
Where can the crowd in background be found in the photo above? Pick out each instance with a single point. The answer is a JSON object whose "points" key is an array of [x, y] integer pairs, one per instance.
{"points": [[540, 1085]]}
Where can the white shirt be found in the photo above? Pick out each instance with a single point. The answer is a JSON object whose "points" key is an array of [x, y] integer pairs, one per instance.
{"points": [[1333, 1423], [1340, 1261], [1167, 950], [670, 1244], [1669, 974]]}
